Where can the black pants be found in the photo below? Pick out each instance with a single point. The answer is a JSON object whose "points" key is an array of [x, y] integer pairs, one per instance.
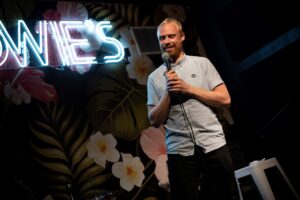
{"points": [[202, 176]]}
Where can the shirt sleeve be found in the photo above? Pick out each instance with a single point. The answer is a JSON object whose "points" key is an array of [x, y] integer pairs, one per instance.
{"points": [[213, 77], [152, 98]]}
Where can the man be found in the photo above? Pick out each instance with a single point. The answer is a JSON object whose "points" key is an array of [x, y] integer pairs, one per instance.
{"points": [[183, 100]]}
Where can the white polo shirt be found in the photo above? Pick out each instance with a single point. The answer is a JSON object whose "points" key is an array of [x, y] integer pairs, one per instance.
{"points": [[208, 131]]}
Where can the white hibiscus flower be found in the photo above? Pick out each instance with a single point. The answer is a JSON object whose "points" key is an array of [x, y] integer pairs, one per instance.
{"points": [[139, 68], [102, 148], [130, 171]]}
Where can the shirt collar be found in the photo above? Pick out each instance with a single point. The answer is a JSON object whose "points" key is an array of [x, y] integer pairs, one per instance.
{"points": [[182, 61]]}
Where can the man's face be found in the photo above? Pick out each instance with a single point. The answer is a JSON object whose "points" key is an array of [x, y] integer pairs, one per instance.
{"points": [[170, 39]]}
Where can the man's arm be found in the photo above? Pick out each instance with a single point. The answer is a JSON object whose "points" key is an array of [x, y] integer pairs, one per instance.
{"points": [[217, 97], [158, 114]]}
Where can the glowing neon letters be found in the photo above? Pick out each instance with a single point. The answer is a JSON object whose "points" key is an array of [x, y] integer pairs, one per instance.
{"points": [[66, 45]]}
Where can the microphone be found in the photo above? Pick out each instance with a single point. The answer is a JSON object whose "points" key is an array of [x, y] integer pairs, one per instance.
{"points": [[165, 56]]}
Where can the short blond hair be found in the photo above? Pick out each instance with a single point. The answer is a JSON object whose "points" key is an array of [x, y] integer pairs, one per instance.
{"points": [[169, 20]]}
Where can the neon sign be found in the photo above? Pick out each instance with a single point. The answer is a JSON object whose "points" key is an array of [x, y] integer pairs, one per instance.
{"points": [[65, 44]]}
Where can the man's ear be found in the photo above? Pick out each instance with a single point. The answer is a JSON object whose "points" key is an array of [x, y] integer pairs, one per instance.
{"points": [[182, 36]]}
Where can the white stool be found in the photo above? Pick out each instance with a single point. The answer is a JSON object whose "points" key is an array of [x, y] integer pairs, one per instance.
{"points": [[256, 170]]}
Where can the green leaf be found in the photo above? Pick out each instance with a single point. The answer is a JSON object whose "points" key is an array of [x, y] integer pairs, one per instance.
{"points": [[55, 167], [116, 104], [90, 173], [52, 153], [93, 182], [83, 165], [60, 136], [13, 10]]}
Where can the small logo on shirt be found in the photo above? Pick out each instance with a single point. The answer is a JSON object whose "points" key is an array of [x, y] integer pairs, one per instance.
{"points": [[193, 75]]}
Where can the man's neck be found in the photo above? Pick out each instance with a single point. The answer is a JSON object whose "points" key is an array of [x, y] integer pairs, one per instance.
{"points": [[179, 57]]}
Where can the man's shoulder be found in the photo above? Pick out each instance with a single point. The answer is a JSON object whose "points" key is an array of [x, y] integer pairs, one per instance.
{"points": [[157, 71], [197, 58]]}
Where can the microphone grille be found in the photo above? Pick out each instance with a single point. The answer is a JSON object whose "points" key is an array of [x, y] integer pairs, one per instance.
{"points": [[165, 56]]}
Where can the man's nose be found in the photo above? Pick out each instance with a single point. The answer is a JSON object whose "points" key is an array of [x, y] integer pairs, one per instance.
{"points": [[166, 41]]}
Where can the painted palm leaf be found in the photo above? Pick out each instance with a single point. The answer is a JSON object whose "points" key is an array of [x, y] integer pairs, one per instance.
{"points": [[59, 143], [116, 104]]}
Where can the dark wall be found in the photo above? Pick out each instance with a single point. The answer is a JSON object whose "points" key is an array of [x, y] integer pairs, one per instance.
{"points": [[255, 47]]}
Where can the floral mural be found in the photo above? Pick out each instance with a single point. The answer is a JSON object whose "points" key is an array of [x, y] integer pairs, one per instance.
{"points": [[82, 131]]}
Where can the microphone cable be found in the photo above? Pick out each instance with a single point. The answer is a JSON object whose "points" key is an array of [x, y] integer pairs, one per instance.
{"points": [[187, 121], [201, 153], [165, 56]]}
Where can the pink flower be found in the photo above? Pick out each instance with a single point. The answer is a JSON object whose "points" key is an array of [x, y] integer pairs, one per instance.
{"points": [[68, 11], [72, 11], [27, 81], [153, 143], [10, 62], [51, 14]]}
